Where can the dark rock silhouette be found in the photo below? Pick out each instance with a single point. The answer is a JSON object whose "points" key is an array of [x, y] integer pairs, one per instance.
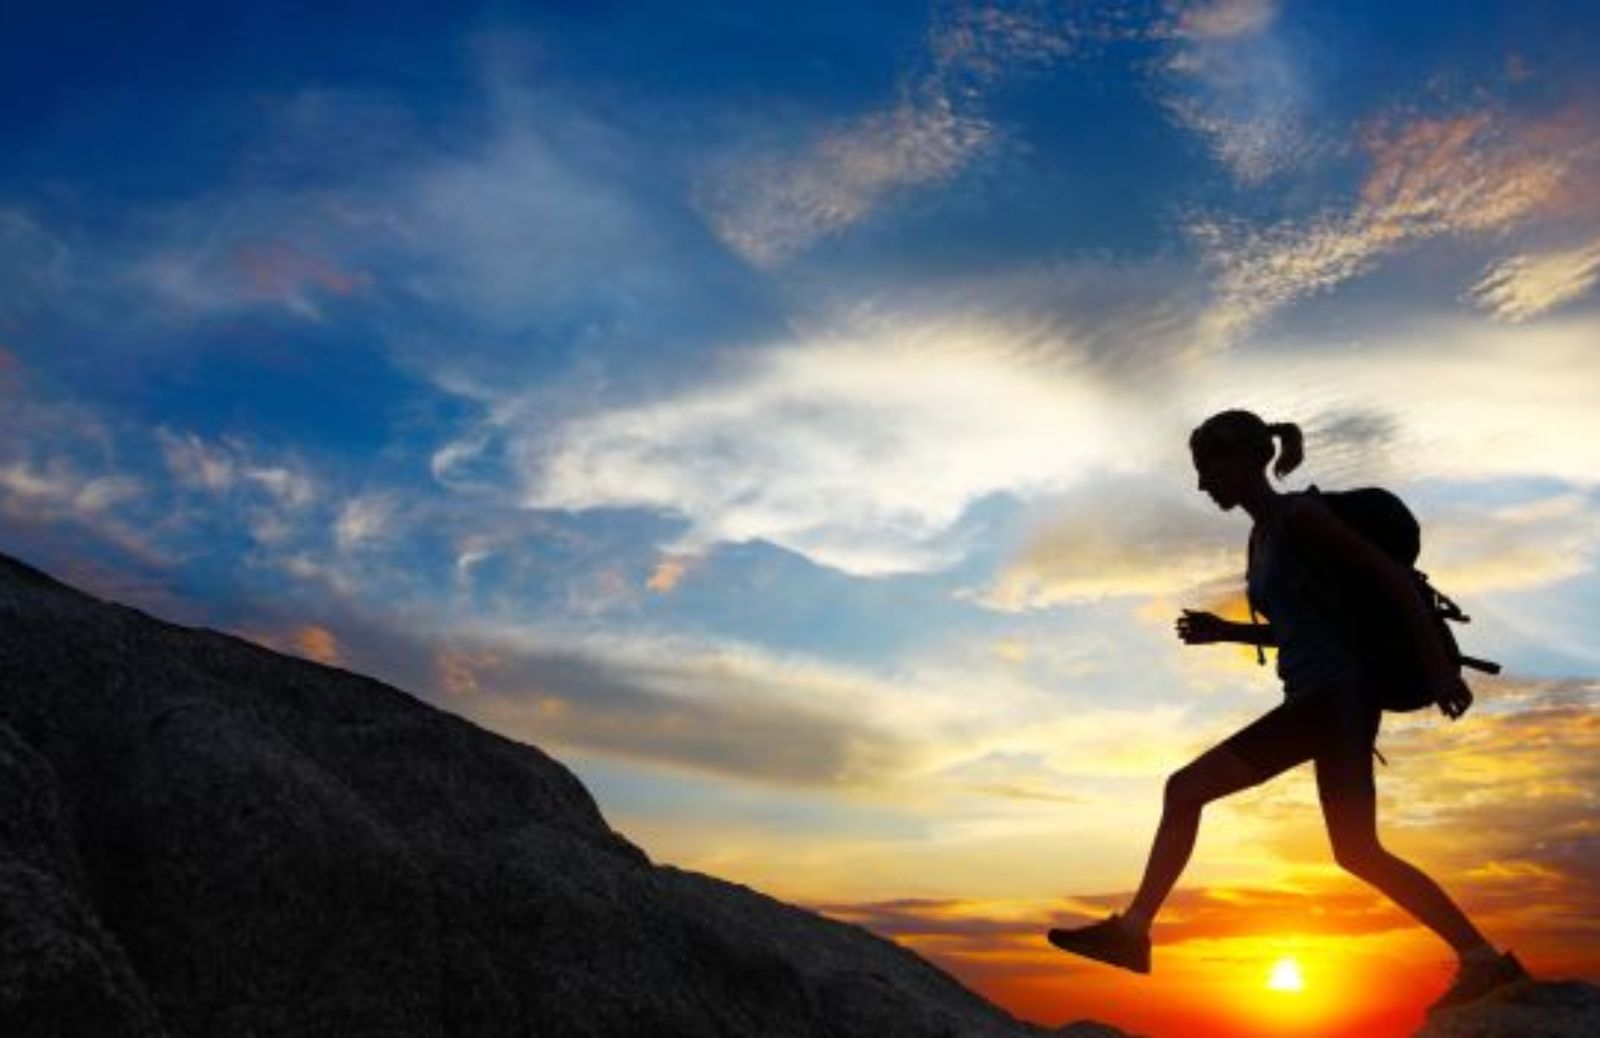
{"points": [[201, 837], [1549, 1009]]}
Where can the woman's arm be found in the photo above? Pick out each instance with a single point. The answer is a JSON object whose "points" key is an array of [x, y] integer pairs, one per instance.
{"points": [[1197, 628]]}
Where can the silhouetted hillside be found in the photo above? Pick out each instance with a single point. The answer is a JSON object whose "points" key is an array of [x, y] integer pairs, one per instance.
{"points": [[1559, 1009], [202, 837]]}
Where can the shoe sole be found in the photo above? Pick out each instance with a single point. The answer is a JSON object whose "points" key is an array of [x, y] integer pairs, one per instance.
{"points": [[1060, 941]]}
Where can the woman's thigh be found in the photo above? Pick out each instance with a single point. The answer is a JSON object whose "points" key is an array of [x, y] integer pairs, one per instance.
{"points": [[1345, 781], [1289, 734]]}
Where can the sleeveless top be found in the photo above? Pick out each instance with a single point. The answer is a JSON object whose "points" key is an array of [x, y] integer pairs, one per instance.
{"points": [[1311, 656]]}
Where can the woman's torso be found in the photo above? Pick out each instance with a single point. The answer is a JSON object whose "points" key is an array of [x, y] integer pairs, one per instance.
{"points": [[1311, 655]]}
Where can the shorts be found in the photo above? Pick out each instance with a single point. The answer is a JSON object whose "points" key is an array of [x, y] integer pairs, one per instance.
{"points": [[1336, 726]]}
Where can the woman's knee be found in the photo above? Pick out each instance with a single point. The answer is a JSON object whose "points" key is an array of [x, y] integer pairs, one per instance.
{"points": [[1211, 777], [1359, 853], [1187, 790]]}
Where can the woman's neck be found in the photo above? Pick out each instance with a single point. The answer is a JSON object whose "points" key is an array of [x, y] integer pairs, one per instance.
{"points": [[1260, 501]]}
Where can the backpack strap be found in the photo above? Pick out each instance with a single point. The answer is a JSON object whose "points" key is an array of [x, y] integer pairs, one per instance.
{"points": [[1250, 599], [1250, 561], [1255, 625]]}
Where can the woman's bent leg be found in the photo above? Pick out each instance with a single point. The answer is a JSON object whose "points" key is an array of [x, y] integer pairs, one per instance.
{"points": [[1351, 813]]}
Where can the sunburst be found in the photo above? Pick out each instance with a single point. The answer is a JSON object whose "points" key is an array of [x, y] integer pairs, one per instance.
{"points": [[1285, 976]]}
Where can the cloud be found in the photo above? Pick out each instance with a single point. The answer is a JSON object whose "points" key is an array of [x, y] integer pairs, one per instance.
{"points": [[273, 499], [316, 642], [1230, 79], [1464, 400], [861, 453], [729, 714], [1523, 286], [1514, 548], [362, 519], [67, 476], [241, 268], [60, 490], [1474, 174], [766, 207], [36, 263], [541, 221], [1441, 426], [544, 230], [1224, 19], [669, 573], [773, 201], [196, 464], [916, 735], [1110, 540]]}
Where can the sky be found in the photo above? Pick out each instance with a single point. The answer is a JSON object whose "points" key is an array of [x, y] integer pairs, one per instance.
{"points": [[779, 414]]}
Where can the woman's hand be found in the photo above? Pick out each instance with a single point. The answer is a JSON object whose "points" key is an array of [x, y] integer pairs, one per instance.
{"points": [[1197, 628], [1453, 696]]}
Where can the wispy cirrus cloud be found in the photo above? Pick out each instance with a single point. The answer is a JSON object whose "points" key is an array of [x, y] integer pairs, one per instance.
{"points": [[1476, 174], [767, 207], [364, 518], [59, 490], [63, 467], [274, 498], [1230, 79], [38, 265], [249, 269], [772, 202], [1529, 284]]}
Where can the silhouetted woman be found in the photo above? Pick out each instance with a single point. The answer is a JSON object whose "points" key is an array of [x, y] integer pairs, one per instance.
{"points": [[1330, 711]]}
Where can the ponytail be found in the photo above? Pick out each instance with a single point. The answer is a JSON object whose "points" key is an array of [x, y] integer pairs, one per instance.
{"points": [[1292, 452], [1244, 433]]}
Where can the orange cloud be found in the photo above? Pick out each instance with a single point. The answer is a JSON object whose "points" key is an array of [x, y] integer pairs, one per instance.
{"points": [[1471, 174], [461, 671], [279, 269], [669, 572], [317, 643]]}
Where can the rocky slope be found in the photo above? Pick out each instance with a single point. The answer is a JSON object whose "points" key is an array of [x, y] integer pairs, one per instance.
{"points": [[201, 837], [1561, 1009]]}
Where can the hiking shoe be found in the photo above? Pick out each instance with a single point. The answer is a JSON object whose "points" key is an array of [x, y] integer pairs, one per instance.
{"points": [[1474, 980], [1110, 941]]}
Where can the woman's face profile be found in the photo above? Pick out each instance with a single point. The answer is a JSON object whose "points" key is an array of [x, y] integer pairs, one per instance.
{"points": [[1218, 473]]}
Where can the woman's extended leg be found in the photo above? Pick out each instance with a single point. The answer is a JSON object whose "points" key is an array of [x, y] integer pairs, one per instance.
{"points": [[1278, 740], [1213, 775]]}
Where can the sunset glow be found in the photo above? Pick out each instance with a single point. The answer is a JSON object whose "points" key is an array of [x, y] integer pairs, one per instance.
{"points": [[779, 414]]}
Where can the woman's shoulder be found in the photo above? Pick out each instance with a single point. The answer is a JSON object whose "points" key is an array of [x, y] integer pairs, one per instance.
{"points": [[1290, 506], [1297, 504], [1305, 515]]}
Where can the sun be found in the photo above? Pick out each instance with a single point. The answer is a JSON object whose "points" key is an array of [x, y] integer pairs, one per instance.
{"points": [[1285, 976]]}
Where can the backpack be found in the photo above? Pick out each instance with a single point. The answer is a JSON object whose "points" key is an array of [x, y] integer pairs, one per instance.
{"points": [[1374, 628]]}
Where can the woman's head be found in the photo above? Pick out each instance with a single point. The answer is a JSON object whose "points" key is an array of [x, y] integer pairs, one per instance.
{"points": [[1231, 448]]}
